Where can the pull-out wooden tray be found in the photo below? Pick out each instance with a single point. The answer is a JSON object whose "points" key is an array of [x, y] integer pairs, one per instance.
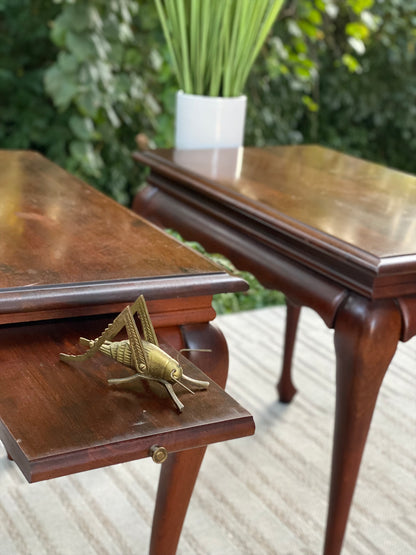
{"points": [[57, 419]]}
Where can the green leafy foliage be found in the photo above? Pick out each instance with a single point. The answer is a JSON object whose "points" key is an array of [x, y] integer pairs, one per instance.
{"points": [[27, 118], [76, 86], [102, 82], [342, 75], [373, 114], [224, 303], [80, 78], [285, 85]]}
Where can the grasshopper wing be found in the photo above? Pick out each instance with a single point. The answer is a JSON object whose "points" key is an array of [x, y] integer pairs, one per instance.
{"points": [[140, 308]]}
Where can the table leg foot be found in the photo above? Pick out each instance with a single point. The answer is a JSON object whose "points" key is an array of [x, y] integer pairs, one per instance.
{"points": [[366, 337], [285, 386]]}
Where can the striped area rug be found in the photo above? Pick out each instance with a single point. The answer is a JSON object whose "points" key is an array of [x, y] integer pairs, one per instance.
{"points": [[265, 494]]}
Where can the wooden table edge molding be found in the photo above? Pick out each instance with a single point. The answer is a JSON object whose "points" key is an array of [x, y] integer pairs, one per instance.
{"points": [[25, 304], [54, 467]]}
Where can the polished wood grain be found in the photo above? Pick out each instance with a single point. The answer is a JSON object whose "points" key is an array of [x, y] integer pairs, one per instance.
{"points": [[58, 418], [352, 220], [366, 338], [334, 233], [67, 249]]}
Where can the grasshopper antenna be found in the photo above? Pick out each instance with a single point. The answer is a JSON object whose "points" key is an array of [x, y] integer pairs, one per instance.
{"points": [[184, 386], [197, 350]]}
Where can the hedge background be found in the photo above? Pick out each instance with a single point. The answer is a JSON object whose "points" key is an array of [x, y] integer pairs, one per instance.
{"points": [[80, 78]]}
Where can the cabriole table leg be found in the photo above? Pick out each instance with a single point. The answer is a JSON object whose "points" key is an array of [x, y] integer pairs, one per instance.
{"points": [[366, 336], [285, 385]]}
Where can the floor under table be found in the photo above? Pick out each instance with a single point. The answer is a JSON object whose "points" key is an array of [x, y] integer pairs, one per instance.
{"points": [[265, 494]]}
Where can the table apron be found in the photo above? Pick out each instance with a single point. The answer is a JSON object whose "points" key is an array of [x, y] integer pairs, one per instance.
{"points": [[357, 271], [304, 287]]}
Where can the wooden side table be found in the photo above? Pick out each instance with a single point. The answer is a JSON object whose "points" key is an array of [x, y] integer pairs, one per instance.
{"points": [[69, 259], [334, 233]]}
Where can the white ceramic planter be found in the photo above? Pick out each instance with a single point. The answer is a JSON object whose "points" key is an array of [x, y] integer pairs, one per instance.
{"points": [[209, 121]]}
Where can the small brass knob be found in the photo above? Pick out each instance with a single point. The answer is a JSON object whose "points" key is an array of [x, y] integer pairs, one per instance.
{"points": [[158, 454]]}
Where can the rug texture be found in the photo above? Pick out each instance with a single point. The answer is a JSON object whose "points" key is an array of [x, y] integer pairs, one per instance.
{"points": [[265, 494]]}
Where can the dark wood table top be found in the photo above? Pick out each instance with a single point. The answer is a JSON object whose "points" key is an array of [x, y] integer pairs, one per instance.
{"points": [[67, 249], [350, 220]]}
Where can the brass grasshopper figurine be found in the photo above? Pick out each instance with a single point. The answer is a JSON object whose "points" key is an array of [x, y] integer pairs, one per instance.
{"points": [[142, 355]]}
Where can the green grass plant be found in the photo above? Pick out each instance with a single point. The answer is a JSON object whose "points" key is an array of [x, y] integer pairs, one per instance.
{"points": [[213, 43]]}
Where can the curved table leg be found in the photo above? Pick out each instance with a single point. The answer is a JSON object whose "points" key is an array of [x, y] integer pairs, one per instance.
{"points": [[366, 336], [285, 385], [177, 479], [208, 337], [180, 471]]}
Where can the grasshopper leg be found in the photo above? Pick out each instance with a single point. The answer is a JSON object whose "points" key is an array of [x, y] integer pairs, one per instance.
{"points": [[173, 395]]}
